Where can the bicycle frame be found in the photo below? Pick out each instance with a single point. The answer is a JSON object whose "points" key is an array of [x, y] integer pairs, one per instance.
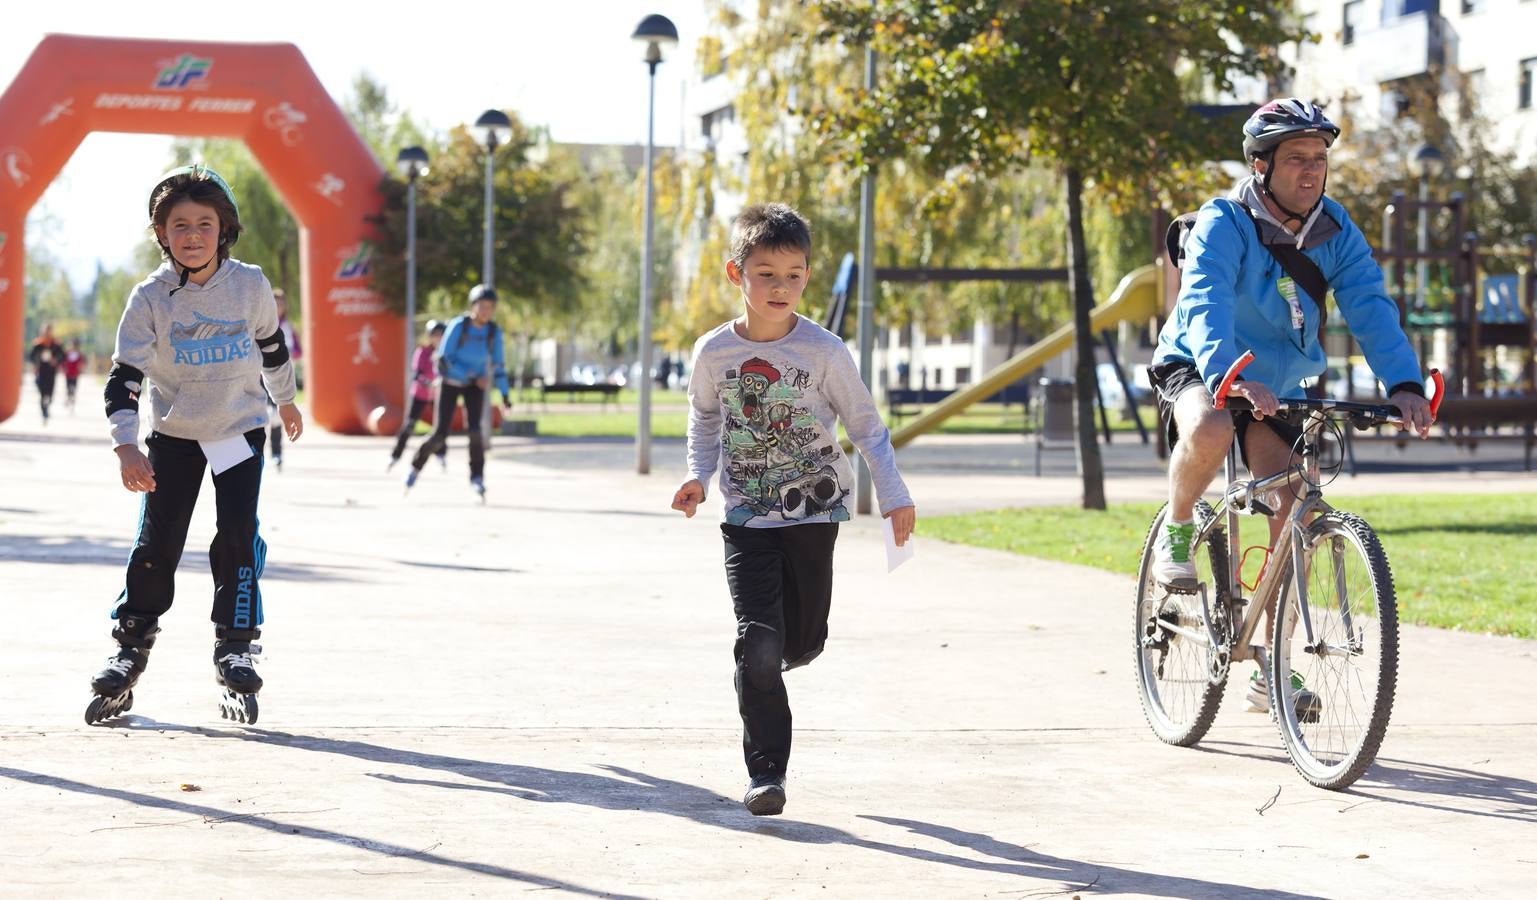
{"points": [[1244, 498]]}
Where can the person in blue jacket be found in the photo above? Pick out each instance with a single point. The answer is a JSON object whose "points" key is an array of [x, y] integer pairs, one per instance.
{"points": [[469, 359], [1235, 297]]}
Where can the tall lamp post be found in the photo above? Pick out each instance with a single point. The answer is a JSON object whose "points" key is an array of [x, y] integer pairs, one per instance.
{"points": [[411, 162], [657, 33], [1427, 164], [496, 128]]}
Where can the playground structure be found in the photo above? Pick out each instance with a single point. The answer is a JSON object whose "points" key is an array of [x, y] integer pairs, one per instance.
{"points": [[265, 95], [1477, 327], [1480, 329], [1136, 299]]}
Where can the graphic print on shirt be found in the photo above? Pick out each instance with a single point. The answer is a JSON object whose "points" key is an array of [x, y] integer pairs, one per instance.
{"points": [[208, 341], [776, 458]]}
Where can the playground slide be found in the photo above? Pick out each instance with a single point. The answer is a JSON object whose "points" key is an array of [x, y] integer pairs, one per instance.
{"points": [[1135, 299]]}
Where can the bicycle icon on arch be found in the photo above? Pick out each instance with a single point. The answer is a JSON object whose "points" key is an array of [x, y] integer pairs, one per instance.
{"points": [[285, 120]]}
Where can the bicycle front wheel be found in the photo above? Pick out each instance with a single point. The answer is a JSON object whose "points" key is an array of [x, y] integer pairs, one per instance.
{"points": [[1332, 698], [1173, 653]]}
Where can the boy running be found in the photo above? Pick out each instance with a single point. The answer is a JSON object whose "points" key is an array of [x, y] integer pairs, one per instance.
{"points": [[766, 392]]}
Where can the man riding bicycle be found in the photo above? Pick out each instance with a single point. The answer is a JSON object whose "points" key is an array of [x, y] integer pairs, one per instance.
{"points": [[1235, 296]]}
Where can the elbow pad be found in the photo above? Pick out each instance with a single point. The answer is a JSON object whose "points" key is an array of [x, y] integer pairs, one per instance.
{"points": [[274, 349], [124, 384]]}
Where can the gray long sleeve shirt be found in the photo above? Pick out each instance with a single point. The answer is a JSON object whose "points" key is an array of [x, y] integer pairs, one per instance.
{"points": [[770, 409], [198, 350]]}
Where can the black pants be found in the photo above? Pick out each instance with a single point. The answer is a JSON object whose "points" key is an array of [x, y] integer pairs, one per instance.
{"points": [[44, 381], [448, 401], [781, 582], [418, 407], [237, 553]]}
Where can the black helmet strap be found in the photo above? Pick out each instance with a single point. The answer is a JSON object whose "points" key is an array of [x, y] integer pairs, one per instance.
{"points": [[185, 272]]}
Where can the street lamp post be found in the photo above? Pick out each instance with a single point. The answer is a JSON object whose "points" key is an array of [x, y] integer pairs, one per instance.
{"points": [[656, 32], [497, 128], [1426, 164], [411, 162]]}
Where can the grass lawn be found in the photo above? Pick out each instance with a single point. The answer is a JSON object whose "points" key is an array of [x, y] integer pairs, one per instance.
{"points": [[1464, 562]]}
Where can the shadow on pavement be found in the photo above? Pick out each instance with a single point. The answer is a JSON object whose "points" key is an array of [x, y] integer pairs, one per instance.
{"points": [[1482, 793], [63, 551], [1506, 797], [1098, 877], [213, 815], [112, 552], [630, 790]]}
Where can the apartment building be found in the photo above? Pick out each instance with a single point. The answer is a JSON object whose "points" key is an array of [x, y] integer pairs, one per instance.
{"points": [[1373, 51]]}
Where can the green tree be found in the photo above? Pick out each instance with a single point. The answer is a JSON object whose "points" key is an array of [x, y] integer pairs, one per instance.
{"points": [[109, 295], [539, 241], [1090, 87]]}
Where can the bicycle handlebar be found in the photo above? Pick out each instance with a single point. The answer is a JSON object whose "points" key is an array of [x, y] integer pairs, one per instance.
{"points": [[1362, 415]]}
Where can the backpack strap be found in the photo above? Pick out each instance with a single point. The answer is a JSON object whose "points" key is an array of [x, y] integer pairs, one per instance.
{"points": [[1300, 267]]}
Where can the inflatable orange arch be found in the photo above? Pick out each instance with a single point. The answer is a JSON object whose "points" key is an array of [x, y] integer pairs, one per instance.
{"points": [[263, 94]]}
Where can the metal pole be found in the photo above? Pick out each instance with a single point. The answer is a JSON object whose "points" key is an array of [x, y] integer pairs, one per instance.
{"points": [[487, 278], [410, 287], [1422, 268], [866, 322], [643, 427]]}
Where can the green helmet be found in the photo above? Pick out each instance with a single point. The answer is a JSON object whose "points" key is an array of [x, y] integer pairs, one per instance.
{"points": [[188, 174]]}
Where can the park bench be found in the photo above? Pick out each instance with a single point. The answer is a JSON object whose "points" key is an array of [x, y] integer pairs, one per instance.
{"points": [[574, 389], [1469, 421], [908, 401]]}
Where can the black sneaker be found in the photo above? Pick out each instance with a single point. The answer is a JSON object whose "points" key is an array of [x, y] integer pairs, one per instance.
{"points": [[765, 795]]}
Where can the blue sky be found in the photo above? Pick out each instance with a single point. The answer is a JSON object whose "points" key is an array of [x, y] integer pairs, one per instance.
{"points": [[568, 65]]}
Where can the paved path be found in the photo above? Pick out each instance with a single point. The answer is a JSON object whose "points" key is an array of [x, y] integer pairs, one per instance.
{"points": [[535, 695]]}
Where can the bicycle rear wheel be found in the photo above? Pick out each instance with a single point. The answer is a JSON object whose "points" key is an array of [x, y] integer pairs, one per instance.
{"points": [[1174, 671], [1332, 700]]}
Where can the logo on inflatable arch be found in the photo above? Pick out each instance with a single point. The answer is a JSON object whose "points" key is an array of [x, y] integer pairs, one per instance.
{"points": [[357, 261], [178, 74]]}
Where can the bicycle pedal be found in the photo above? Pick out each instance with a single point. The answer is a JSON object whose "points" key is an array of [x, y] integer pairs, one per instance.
{"points": [[1182, 586]]}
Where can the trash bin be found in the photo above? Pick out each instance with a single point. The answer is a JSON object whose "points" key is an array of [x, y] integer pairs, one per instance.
{"points": [[1054, 419]]}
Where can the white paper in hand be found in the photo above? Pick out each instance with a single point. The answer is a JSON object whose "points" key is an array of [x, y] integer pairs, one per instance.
{"points": [[226, 454], [895, 556]]}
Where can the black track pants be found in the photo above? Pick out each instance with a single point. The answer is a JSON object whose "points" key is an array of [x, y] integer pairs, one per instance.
{"points": [[443, 419], [781, 582], [237, 553]]}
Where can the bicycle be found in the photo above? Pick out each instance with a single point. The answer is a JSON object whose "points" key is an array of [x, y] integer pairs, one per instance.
{"points": [[1333, 666]]}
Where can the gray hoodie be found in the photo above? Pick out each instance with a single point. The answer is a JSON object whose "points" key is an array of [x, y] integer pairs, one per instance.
{"points": [[197, 349], [1318, 228]]}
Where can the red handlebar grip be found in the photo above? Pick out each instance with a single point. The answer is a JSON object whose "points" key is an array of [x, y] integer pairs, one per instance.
{"points": [[1439, 383], [1220, 401]]}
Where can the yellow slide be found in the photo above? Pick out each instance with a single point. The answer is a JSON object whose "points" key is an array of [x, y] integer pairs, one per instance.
{"points": [[1135, 300]]}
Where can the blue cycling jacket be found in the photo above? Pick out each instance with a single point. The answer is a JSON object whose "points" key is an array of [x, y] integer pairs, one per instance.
{"points": [[1230, 299], [471, 351]]}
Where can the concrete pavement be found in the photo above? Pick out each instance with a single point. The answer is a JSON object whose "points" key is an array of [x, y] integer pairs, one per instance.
{"points": [[536, 695]]}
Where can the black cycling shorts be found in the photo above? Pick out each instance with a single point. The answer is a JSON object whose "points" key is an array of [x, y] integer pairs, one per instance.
{"points": [[1173, 378]]}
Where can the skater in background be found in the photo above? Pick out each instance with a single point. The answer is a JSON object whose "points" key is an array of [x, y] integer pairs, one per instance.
{"points": [[47, 353], [765, 396], [200, 338], [423, 375], [295, 353], [74, 361], [469, 359]]}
